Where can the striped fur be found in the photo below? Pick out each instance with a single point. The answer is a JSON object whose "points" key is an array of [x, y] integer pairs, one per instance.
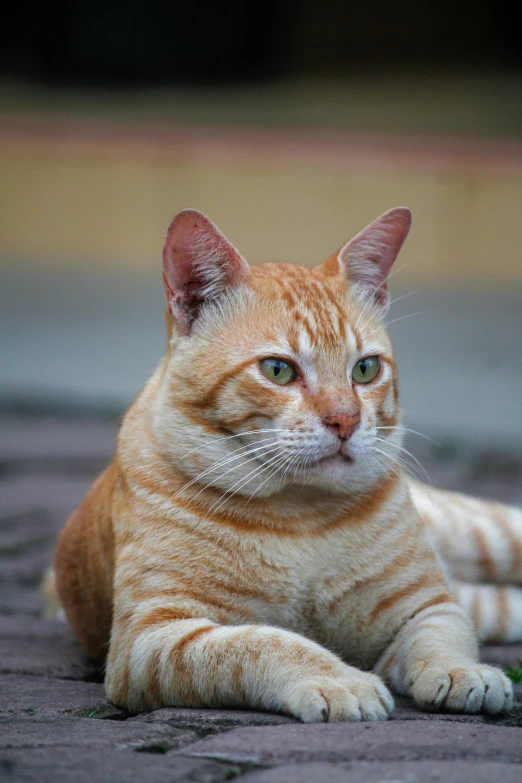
{"points": [[252, 544], [480, 543]]}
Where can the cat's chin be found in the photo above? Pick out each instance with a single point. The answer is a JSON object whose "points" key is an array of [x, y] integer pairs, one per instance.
{"points": [[340, 474], [337, 458]]}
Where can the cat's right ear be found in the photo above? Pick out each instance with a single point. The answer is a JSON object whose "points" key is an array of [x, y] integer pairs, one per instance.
{"points": [[367, 259], [199, 265]]}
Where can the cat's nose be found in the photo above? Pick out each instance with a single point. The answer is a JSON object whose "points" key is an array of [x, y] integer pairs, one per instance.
{"points": [[343, 423]]}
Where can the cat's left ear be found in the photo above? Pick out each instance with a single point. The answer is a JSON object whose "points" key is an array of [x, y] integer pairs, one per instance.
{"points": [[199, 266], [367, 259]]}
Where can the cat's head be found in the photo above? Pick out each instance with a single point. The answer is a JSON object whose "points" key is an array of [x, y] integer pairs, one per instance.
{"points": [[278, 375]]}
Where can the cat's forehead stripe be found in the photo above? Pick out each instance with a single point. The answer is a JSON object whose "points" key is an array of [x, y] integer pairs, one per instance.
{"points": [[352, 341], [317, 309], [317, 315]]}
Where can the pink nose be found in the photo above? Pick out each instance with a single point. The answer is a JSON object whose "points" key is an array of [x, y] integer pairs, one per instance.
{"points": [[343, 423]]}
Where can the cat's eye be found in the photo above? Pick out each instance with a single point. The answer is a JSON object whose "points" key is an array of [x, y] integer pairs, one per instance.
{"points": [[278, 371], [366, 370]]}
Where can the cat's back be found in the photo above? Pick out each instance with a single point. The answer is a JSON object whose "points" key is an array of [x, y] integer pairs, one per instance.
{"points": [[83, 566]]}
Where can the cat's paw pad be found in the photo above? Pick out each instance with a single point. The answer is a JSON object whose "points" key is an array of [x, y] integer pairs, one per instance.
{"points": [[350, 698], [467, 688]]}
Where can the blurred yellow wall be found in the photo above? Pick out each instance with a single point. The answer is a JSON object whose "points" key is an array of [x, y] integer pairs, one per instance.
{"points": [[102, 195]]}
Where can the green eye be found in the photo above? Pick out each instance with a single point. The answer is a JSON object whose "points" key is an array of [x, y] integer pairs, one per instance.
{"points": [[366, 370], [278, 371]]}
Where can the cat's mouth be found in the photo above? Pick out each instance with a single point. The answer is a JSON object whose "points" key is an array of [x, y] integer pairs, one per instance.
{"points": [[336, 456]]}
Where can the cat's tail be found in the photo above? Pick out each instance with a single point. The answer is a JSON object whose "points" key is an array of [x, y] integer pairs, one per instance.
{"points": [[480, 545], [52, 608]]}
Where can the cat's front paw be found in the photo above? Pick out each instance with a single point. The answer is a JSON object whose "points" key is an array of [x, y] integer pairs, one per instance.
{"points": [[465, 688], [352, 697]]}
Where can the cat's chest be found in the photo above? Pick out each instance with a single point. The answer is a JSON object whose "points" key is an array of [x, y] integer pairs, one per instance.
{"points": [[283, 581], [314, 589], [306, 578]]}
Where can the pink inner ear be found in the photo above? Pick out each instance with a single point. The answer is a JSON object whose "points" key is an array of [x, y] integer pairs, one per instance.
{"points": [[368, 257], [199, 264]]}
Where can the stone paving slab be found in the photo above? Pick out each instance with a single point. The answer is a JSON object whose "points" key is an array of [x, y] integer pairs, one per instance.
{"points": [[28, 696], [83, 765], [381, 741], [406, 710], [44, 648], [206, 722], [89, 733], [502, 655], [391, 772]]}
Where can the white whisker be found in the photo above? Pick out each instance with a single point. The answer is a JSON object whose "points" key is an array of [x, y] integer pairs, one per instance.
{"points": [[394, 320], [238, 454], [415, 472], [398, 299], [229, 437], [421, 468], [404, 296], [243, 482], [278, 466], [371, 299], [234, 467], [407, 429], [389, 457]]}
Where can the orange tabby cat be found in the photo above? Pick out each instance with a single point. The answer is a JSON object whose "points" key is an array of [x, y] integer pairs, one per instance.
{"points": [[254, 539]]}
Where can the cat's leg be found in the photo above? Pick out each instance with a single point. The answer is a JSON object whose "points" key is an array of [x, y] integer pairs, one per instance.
{"points": [[434, 658], [161, 656], [496, 610], [480, 540]]}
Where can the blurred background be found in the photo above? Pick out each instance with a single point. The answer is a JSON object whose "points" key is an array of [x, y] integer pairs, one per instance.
{"points": [[292, 125]]}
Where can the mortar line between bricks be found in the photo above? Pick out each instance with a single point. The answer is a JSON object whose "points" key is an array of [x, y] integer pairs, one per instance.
{"points": [[303, 759]]}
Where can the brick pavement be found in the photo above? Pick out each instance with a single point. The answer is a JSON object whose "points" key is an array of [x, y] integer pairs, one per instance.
{"points": [[57, 726]]}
